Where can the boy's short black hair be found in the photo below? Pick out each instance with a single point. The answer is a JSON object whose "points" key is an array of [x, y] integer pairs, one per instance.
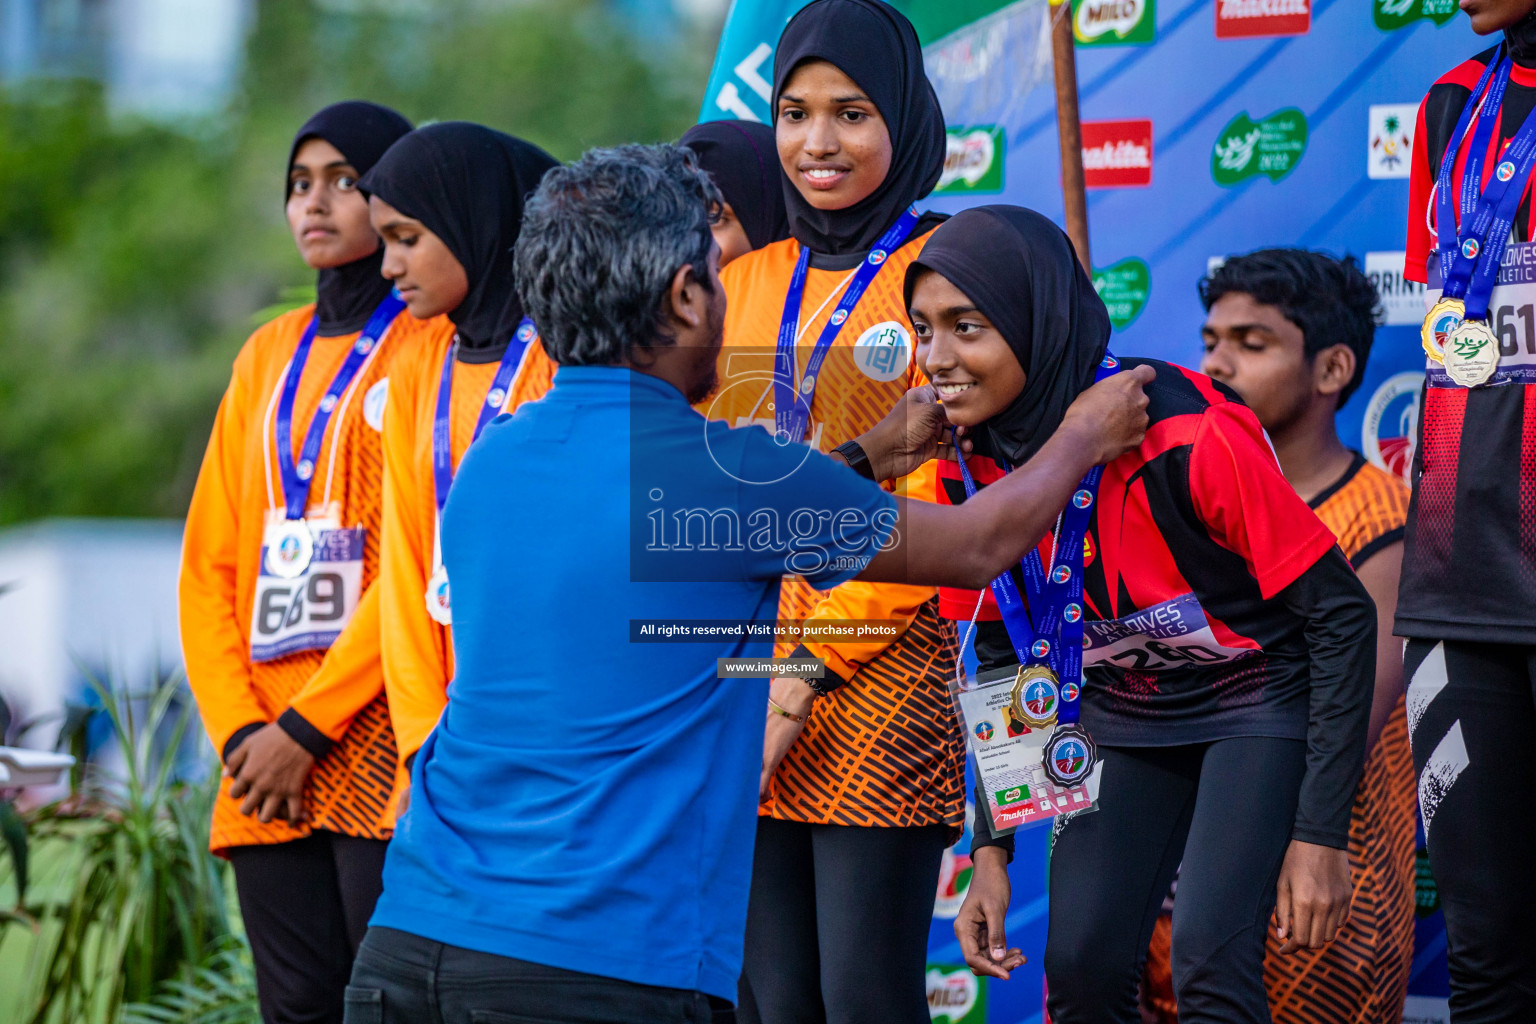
{"points": [[1331, 300]]}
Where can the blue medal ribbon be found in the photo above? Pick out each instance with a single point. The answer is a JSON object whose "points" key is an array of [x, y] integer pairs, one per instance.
{"points": [[297, 476], [1049, 630], [792, 406], [495, 398], [1470, 258]]}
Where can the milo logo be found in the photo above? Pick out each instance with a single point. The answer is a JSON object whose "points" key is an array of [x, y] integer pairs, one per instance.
{"points": [[973, 160], [955, 995], [1247, 148], [1390, 15], [1124, 287], [1112, 22]]}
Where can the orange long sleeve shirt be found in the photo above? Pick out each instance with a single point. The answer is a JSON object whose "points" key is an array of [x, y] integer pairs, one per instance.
{"points": [[417, 650], [884, 749], [337, 692]]}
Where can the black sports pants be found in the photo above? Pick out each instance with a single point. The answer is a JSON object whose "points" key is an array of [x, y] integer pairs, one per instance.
{"points": [[405, 979], [837, 926], [1472, 722], [306, 905], [1226, 809]]}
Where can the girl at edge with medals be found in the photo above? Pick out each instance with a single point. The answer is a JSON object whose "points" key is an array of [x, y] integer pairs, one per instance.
{"points": [[854, 820], [279, 623], [1467, 599], [1230, 650], [448, 202]]}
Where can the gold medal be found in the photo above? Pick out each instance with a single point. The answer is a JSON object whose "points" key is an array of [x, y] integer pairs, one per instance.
{"points": [[1036, 694], [1472, 353], [1442, 319]]}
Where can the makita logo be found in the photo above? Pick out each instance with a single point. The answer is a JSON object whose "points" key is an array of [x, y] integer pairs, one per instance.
{"points": [[1117, 154], [1239, 18]]}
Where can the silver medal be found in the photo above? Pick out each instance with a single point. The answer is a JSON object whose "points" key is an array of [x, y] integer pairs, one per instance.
{"points": [[438, 604], [1471, 353], [290, 548]]}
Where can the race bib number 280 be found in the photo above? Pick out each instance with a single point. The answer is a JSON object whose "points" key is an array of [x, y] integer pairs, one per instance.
{"points": [[308, 611]]}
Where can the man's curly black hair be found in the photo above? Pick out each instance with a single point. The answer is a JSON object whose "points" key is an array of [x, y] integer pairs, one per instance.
{"points": [[1331, 300]]}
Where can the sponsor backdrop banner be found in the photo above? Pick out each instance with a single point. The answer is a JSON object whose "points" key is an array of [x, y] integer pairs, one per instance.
{"points": [[1211, 127]]}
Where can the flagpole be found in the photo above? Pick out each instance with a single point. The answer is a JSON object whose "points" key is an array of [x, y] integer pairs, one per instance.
{"points": [[1069, 129]]}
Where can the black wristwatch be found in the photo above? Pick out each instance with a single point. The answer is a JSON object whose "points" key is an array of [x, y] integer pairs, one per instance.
{"points": [[853, 454]]}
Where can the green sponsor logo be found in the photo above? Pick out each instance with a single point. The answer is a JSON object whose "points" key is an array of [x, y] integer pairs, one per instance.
{"points": [[1391, 15], [1246, 148], [1124, 287], [955, 995], [1011, 796], [973, 160], [1113, 22]]}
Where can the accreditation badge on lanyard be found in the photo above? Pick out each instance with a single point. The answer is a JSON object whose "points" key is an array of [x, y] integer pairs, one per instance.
{"points": [[792, 403], [311, 574], [1033, 758], [1480, 328], [438, 597]]}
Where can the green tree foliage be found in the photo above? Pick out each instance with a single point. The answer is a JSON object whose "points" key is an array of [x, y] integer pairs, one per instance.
{"points": [[134, 258]]}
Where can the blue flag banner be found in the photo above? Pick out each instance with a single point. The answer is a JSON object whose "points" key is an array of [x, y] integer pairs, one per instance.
{"points": [[1210, 128]]}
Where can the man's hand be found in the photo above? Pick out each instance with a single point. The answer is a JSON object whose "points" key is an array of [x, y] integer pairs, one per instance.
{"points": [[796, 697], [270, 769], [1312, 897], [1111, 416], [979, 925], [914, 431]]}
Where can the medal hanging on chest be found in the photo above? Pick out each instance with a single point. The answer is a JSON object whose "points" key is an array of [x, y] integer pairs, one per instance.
{"points": [[1047, 632], [1456, 331], [792, 405], [438, 596]]}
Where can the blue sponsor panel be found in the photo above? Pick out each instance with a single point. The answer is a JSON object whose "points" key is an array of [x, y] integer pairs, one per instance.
{"points": [[1211, 128]]}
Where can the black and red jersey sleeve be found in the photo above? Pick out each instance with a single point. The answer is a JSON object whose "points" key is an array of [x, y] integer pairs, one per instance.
{"points": [[1420, 189], [1246, 503]]}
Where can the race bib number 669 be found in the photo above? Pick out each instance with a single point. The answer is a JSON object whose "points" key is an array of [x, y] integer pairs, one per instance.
{"points": [[309, 611]]}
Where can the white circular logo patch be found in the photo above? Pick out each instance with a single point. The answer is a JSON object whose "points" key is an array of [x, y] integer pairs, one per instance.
{"points": [[373, 404], [884, 351]]}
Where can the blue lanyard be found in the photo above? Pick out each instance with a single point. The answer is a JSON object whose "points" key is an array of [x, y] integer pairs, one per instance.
{"points": [[1470, 260], [1049, 631], [442, 423], [792, 411], [296, 477]]}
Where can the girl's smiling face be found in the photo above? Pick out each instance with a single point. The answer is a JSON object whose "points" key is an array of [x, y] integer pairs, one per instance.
{"points": [[969, 362], [833, 143]]}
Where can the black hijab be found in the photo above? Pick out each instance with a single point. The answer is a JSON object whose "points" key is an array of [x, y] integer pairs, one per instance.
{"points": [[873, 44], [1022, 273], [741, 158], [467, 184], [1521, 37], [346, 296]]}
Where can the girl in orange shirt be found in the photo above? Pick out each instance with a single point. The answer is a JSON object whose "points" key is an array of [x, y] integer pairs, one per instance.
{"points": [[448, 202], [863, 785], [279, 557]]}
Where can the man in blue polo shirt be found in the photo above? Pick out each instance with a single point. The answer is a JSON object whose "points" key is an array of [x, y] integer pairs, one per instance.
{"points": [[579, 840]]}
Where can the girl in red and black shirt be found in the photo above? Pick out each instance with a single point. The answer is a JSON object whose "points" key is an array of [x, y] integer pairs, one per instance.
{"points": [[1467, 602], [1229, 648]]}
